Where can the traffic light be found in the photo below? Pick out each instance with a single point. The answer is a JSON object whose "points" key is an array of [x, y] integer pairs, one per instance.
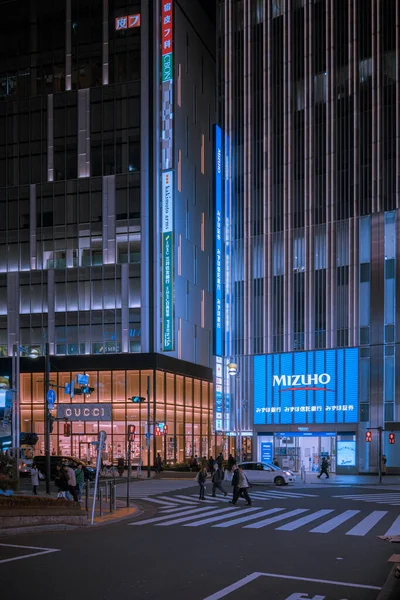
{"points": [[391, 438], [86, 389], [67, 429], [78, 391], [368, 436], [158, 432], [131, 433], [138, 399]]}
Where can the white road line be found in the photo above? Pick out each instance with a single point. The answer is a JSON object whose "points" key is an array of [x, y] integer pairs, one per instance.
{"points": [[165, 517], [266, 522], [395, 528], [248, 518], [170, 510], [335, 522], [212, 519], [367, 523], [157, 501], [368, 496], [215, 512], [188, 502], [41, 552], [304, 520]]}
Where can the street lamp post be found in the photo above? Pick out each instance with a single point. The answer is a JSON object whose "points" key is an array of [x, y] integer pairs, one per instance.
{"points": [[233, 370]]}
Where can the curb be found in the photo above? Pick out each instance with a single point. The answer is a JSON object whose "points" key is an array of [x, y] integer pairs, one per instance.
{"points": [[38, 529], [391, 588]]}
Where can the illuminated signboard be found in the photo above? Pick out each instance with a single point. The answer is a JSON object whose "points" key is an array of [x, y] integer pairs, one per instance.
{"points": [[167, 261], [227, 279], [346, 454], [127, 22], [218, 241], [306, 387], [84, 412], [166, 41], [6, 401]]}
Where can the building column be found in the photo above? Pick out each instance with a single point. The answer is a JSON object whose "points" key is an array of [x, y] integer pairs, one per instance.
{"points": [[84, 133]]}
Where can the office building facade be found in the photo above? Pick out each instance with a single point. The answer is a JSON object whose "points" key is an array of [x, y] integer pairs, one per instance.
{"points": [[106, 114], [308, 109]]}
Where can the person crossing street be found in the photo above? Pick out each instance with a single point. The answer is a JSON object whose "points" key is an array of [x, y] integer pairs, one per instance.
{"points": [[217, 479], [324, 468]]}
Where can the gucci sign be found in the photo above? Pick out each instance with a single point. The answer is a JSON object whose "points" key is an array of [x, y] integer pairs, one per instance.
{"points": [[84, 412]]}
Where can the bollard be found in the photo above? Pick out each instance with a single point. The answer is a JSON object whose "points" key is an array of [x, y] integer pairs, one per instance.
{"points": [[106, 492], [115, 497], [111, 497], [100, 500], [87, 487]]}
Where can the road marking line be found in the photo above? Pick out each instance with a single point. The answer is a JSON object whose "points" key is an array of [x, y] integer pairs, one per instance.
{"points": [[266, 522], [218, 518], [174, 521], [395, 528], [367, 523], [304, 520], [263, 513], [242, 582], [187, 502], [335, 522], [165, 517], [156, 501], [171, 510], [42, 552]]}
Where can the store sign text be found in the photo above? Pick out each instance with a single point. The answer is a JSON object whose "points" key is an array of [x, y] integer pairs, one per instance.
{"points": [[84, 412]]}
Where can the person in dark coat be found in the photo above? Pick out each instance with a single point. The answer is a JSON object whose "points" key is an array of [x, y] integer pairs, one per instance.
{"points": [[211, 462], [235, 484], [231, 462], [61, 481], [220, 460], [324, 468], [201, 479], [217, 479]]}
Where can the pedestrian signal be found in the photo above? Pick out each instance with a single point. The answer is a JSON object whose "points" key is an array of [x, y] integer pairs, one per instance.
{"points": [[138, 399], [131, 433], [391, 438], [368, 436]]}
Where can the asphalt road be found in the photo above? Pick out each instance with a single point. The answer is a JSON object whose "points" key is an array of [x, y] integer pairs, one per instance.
{"points": [[292, 543]]}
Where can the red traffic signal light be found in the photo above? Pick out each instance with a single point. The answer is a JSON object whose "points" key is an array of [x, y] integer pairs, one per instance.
{"points": [[165, 429], [67, 429], [131, 433], [368, 436], [391, 438]]}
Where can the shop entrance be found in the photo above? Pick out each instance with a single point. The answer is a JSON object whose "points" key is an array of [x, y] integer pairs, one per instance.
{"points": [[296, 450]]}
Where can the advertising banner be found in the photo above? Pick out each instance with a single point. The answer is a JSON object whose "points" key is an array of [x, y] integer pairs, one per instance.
{"points": [[167, 262], [346, 454], [166, 41], [306, 387], [218, 241], [266, 452], [6, 400]]}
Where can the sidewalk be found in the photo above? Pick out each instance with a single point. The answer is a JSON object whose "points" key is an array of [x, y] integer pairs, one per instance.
{"points": [[389, 481]]}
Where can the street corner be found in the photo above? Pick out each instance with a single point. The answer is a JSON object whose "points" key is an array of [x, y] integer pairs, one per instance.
{"points": [[119, 515], [287, 587], [12, 552]]}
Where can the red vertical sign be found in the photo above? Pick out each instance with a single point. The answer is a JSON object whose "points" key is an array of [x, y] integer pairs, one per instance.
{"points": [[166, 28]]}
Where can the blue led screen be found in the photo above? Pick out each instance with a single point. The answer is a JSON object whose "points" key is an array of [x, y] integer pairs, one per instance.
{"points": [[306, 387]]}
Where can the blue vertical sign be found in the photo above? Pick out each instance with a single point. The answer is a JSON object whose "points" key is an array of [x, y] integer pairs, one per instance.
{"points": [[218, 241], [266, 452]]}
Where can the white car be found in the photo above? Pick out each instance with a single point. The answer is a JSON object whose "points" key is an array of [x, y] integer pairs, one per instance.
{"points": [[260, 472]]}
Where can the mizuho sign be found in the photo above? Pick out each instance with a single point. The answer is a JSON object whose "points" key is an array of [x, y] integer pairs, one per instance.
{"points": [[292, 381]]}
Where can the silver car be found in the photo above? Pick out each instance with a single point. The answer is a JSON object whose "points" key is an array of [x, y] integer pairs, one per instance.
{"points": [[261, 472]]}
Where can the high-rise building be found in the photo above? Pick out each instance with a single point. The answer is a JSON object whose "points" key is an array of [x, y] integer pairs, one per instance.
{"points": [[309, 135], [106, 169]]}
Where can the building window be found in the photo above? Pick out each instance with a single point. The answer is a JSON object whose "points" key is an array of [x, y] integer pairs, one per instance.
{"points": [[202, 154], [179, 254], [180, 338], [179, 87], [202, 230], [202, 308], [179, 170]]}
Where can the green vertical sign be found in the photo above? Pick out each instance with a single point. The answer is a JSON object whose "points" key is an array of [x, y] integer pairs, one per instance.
{"points": [[166, 67]]}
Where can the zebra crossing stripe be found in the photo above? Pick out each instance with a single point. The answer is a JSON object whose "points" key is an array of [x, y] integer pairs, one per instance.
{"points": [[335, 522], [395, 528], [266, 522], [166, 517], [187, 502], [157, 501], [304, 520], [168, 511], [368, 496], [217, 518], [287, 494], [248, 517], [215, 512], [367, 523]]}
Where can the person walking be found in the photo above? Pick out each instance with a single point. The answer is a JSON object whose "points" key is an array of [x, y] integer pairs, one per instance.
{"points": [[61, 481], [324, 468], [70, 473], [220, 460], [158, 463], [201, 479], [34, 478], [231, 462], [121, 465], [80, 480], [384, 461], [235, 484], [244, 486], [211, 462], [217, 479]]}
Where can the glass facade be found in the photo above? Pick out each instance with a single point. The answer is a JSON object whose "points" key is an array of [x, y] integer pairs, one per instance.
{"points": [[183, 403], [307, 103]]}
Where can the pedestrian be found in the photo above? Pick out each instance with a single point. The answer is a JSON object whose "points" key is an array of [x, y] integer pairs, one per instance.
{"points": [[80, 480], [384, 461], [276, 464], [196, 462], [231, 462], [211, 462], [121, 465], [204, 462], [191, 463], [220, 460], [217, 479], [158, 463], [244, 486], [201, 479], [324, 468], [70, 473], [34, 478], [235, 484], [61, 481]]}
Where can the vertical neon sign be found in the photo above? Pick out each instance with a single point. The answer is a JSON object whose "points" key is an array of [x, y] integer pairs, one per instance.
{"points": [[218, 319], [167, 179], [227, 280]]}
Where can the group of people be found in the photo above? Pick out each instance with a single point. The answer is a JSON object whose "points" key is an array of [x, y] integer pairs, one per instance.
{"points": [[69, 481], [239, 482]]}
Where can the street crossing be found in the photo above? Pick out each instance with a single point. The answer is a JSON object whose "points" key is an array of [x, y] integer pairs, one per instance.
{"points": [[172, 500], [323, 522], [391, 499], [153, 487]]}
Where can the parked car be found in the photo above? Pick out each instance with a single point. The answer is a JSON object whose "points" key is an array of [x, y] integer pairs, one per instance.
{"points": [[259, 472], [72, 461]]}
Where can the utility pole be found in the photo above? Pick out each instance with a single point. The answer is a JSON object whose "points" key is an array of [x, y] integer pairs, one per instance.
{"points": [[380, 431], [148, 428], [128, 479], [47, 418]]}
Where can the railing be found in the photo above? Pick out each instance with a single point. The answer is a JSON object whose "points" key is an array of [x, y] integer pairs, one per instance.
{"points": [[106, 496]]}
